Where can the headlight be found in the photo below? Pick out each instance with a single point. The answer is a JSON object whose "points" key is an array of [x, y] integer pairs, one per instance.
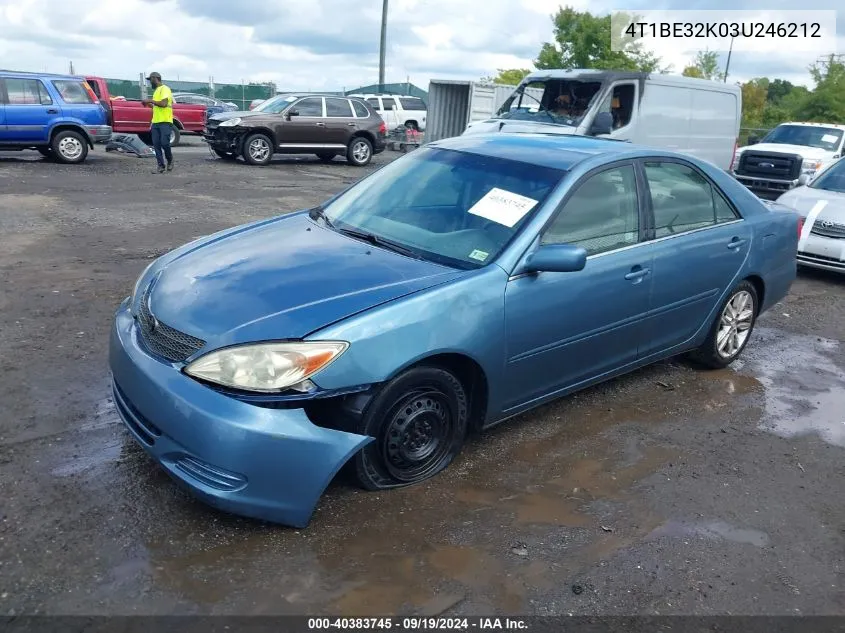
{"points": [[265, 367], [736, 161], [809, 166], [231, 122]]}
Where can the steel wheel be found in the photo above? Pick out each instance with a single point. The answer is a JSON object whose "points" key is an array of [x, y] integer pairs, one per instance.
{"points": [[70, 148], [735, 324], [416, 437]]}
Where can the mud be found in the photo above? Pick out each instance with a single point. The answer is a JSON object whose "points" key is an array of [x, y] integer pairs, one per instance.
{"points": [[671, 490]]}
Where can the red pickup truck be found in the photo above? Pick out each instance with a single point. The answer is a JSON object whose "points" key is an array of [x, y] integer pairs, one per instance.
{"points": [[130, 116]]}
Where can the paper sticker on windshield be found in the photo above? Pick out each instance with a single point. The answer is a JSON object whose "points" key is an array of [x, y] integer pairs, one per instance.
{"points": [[503, 207], [479, 255], [829, 138]]}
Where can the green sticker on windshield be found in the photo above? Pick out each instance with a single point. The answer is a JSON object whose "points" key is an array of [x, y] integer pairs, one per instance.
{"points": [[479, 255]]}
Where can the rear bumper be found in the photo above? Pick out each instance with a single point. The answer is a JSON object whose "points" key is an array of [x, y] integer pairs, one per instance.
{"points": [[99, 133], [270, 464]]}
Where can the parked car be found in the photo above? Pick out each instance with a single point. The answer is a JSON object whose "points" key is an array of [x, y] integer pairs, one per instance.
{"points": [[299, 124], [130, 116], [650, 109], [57, 115], [212, 106], [773, 165], [398, 110], [255, 103], [821, 202], [454, 288]]}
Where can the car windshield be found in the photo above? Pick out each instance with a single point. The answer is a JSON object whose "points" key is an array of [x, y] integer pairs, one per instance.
{"points": [[558, 101], [454, 208], [832, 178], [827, 138], [275, 104]]}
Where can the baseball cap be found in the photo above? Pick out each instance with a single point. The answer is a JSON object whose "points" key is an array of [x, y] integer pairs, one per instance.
{"points": [[154, 74]]}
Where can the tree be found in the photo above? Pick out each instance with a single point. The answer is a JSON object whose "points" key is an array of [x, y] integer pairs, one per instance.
{"points": [[705, 66], [826, 103], [507, 77], [778, 89], [583, 40], [754, 101]]}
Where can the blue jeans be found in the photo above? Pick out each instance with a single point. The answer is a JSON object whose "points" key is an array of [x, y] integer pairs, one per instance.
{"points": [[161, 142]]}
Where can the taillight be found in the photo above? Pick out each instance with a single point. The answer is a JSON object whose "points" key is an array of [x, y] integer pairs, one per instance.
{"points": [[382, 129], [733, 156], [800, 226]]}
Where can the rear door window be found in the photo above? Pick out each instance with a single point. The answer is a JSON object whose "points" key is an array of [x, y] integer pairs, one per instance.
{"points": [[375, 103], [27, 92], [338, 108], [73, 92]]}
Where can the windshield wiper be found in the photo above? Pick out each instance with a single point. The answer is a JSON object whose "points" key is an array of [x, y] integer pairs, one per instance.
{"points": [[376, 240], [318, 212]]}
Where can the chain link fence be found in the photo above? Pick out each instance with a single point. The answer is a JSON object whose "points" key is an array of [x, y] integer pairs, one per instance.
{"points": [[239, 94]]}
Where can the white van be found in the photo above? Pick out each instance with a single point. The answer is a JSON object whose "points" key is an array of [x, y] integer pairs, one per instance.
{"points": [[398, 110], [682, 114]]}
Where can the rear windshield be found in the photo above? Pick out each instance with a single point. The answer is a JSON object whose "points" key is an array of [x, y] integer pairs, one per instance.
{"points": [[72, 91]]}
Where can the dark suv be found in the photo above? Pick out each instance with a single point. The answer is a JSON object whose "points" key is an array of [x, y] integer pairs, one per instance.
{"points": [[299, 124]]}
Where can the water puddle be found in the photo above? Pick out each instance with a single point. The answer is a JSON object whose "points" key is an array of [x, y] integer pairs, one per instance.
{"points": [[804, 387], [714, 530]]}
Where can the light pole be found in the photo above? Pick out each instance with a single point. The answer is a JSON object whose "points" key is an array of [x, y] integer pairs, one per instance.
{"points": [[382, 47], [728, 64]]}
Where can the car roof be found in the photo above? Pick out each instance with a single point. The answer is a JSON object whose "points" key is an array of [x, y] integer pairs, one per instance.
{"points": [[557, 151], [31, 75]]}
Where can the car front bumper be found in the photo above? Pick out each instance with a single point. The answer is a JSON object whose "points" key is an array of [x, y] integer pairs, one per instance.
{"points": [[826, 253], [270, 464], [99, 133]]}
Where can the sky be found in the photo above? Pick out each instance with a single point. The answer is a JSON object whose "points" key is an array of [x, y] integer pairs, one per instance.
{"points": [[327, 45]]}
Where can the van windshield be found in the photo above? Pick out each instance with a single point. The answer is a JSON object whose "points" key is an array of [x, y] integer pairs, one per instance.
{"points": [[558, 101]]}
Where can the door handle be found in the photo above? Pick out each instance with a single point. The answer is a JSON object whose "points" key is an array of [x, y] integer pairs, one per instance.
{"points": [[320, 124], [352, 124], [52, 111], [735, 243], [637, 273]]}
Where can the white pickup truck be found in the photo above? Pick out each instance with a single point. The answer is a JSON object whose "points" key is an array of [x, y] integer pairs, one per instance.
{"points": [[791, 150]]}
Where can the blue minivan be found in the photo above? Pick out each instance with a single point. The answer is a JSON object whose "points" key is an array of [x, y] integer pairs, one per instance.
{"points": [[58, 115]]}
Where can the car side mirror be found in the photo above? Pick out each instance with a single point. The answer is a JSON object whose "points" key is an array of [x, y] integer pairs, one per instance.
{"points": [[556, 258], [803, 179], [602, 124], [292, 112], [753, 140]]}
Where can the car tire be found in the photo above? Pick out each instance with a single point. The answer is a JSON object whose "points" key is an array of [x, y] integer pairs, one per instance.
{"points": [[69, 147], [258, 149], [326, 158], [419, 421], [226, 155], [735, 320], [359, 152], [175, 135]]}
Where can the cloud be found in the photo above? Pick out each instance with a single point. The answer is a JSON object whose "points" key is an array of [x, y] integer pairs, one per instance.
{"points": [[324, 44]]}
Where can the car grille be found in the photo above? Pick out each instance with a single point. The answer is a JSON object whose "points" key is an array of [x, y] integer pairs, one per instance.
{"points": [[163, 340], [769, 165], [826, 228]]}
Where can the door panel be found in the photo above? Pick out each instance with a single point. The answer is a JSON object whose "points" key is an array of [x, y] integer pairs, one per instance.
{"points": [[700, 249], [340, 122], [565, 328], [306, 129], [30, 111]]}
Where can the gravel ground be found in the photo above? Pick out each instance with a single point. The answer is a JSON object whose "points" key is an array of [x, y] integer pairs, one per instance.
{"points": [[670, 491]]}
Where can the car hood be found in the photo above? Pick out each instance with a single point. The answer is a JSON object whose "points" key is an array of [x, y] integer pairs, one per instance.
{"points": [[231, 114], [517, 126], [282, 279], [803, 199], [781, 148]]}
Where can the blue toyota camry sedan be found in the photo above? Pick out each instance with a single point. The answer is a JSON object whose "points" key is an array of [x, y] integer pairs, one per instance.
{"points": [[462, 284]]}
